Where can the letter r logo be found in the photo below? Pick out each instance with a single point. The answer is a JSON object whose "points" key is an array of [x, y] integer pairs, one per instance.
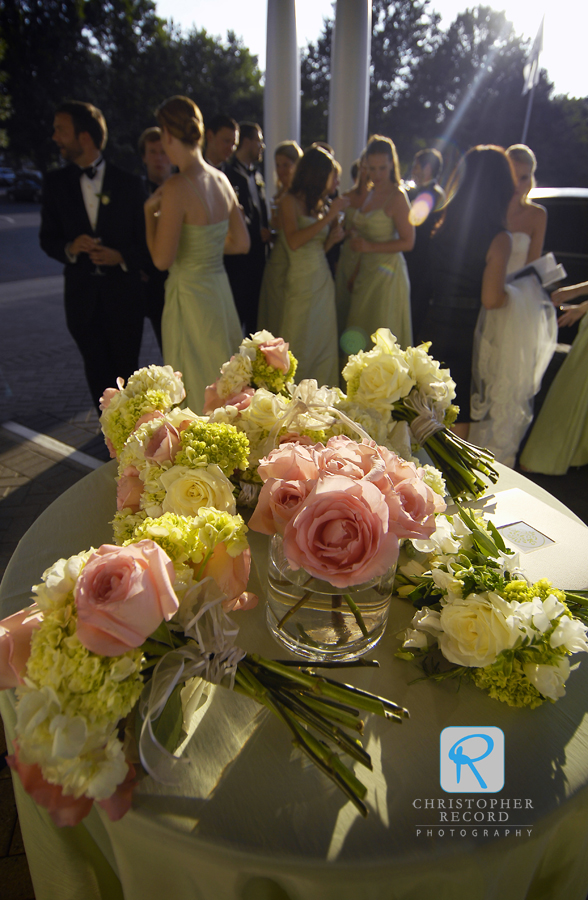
{"points": [[472, 759]]}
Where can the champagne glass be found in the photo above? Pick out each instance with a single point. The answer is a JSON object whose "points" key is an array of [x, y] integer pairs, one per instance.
{"points": [[98, 270]]}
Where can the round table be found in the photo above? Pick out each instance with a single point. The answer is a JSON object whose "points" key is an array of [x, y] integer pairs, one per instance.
{"points": [[251, 820]]}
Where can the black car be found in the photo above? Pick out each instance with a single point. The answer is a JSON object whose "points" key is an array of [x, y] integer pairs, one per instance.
{"points": [[567, 235], [26, 186]]}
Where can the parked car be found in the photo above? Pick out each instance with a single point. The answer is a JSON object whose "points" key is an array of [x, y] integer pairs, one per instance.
{"points": [[7, 176], [27, 186], [567, 235]]}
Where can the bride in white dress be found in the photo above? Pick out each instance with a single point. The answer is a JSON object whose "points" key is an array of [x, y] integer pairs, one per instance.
{"points": [[514, 344]]}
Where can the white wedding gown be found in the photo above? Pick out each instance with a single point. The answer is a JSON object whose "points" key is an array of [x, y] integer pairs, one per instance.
{"points": [[512, 349]]}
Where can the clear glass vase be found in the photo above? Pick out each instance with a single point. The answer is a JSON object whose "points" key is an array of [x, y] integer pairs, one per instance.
{"points": [[324, 626]]}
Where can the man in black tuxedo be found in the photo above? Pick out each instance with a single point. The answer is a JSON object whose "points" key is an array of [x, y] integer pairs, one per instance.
{"points": [[427, 198], [92, 221], [246, 271]]}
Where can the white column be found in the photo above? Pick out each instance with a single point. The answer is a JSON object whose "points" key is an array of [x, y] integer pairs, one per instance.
{"points": [[350, 82], [281, 117]]}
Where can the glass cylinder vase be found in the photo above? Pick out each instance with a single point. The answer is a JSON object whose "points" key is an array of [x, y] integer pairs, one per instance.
{"points": [[319, 621]]}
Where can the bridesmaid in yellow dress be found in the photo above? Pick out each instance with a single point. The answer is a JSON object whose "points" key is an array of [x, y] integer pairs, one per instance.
{"points": [[298, 294], [348, 259], [380, 297], [191, 221]]}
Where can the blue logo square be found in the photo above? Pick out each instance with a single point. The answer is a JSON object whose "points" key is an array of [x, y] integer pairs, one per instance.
{"points": [[472, 759]]}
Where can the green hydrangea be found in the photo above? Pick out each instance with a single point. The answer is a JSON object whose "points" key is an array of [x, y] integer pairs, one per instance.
{"points": [[513, 688], [206, 443], [270, 378], [118, 421], [176, 535], [123, 525], [523, 592], [100, 689]]}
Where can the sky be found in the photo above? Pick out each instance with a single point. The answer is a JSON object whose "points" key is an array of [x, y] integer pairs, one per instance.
{"points": [[566, 27]]}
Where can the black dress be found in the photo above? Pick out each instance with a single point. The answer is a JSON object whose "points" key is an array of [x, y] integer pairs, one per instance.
{"points": [[457, 269]]}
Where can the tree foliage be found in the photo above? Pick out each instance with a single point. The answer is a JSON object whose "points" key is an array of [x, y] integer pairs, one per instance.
{"points": [[452, 89], [119, 55]]}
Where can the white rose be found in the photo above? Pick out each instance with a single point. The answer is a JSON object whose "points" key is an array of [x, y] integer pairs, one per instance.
{"points": [[549, 680], [384, 340], [265, 409], [428, 620], [476, 629], [383, 380], [176, 416], [187, 490], [571, 634]]}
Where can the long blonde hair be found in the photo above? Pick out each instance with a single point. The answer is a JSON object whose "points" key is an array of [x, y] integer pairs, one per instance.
{"points": [[520, 153]]}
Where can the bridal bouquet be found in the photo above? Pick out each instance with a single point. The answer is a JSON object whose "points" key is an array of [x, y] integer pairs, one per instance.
{"points": [[399, 398], [480, 619], [118, 627]]}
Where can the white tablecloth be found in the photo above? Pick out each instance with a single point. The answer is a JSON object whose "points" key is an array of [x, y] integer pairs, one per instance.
{"points": [[251, 820]]}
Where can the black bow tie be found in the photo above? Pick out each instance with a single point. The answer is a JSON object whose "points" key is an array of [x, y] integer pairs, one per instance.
{"points": [[90, 171]]}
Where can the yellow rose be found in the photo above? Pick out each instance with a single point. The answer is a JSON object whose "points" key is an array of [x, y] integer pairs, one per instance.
{"points": [[188, 490], [477, 629]]}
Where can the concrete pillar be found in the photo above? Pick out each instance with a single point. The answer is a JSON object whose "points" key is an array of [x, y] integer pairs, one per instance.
{"points": [[281, 117], [350, 82]]}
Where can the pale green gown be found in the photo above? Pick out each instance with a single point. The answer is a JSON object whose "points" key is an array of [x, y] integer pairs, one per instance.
{"points": [[200, 326], [298, 304], [381, 291], [346, 266], [559, 438]]}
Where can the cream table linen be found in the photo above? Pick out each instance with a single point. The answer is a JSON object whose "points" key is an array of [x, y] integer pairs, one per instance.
{"points": [[251, 821]]}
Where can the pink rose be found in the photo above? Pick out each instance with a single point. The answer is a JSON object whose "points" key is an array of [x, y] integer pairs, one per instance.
{"points": [[122, 596], [111, 447], [342, 456], [15, 644], [276, 354], [106, 398], [163, 445], [66, 810], [293, 462], [412, 506], [278, 502], [231, 574], [148, 417], [341, 533], [292, 437], [241, 398], [129, 489]]}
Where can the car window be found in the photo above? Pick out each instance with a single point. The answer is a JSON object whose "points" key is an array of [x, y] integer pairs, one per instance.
{"points": [[567, 225]]}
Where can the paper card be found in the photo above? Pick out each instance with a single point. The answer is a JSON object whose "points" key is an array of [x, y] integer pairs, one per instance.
{"points": [[551, 545]]}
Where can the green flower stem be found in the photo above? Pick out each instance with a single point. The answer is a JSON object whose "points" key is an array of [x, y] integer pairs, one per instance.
{"points": [[294, 609], [335, 712], [321, 724], [358, 616]]}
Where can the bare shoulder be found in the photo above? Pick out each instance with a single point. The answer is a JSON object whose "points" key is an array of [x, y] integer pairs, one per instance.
{"points": [[537, 212], [174, 186], [398, 201]]}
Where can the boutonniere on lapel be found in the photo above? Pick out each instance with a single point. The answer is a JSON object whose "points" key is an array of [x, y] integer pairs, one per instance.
{"points": [[259, 181], [104, 197]]}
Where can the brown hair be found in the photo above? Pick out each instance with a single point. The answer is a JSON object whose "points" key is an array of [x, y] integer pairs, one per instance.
{"points": [[380, 144], [86, 117], [150, 136], [311, 177], [290, 150], [182, 118]]}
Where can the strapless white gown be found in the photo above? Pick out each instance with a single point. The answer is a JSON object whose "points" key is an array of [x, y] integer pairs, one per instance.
{"points": [[512, 349]]}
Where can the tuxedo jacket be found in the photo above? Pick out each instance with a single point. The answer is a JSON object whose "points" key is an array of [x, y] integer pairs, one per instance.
{"points": [[120, 225], [255, 220]]}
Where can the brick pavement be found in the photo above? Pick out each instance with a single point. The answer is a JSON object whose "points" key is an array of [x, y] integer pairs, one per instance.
{"points": [[42, 386]]}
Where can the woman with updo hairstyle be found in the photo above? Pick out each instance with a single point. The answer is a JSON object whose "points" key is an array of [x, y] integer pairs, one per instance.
{"points": [[191, 221], [286, 156], [380, 292], [527, 221], [298, 295], [468, 256]]}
